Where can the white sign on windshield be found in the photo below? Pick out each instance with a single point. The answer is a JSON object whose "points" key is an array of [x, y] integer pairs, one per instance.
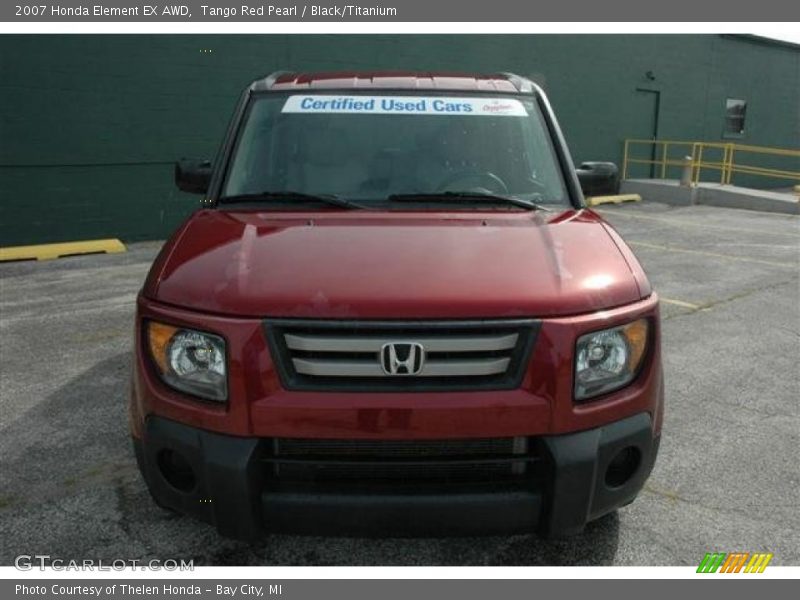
{"points": [[404, 105]]}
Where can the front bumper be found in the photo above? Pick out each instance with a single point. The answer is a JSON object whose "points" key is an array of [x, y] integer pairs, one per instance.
{"points": [[230, 488]]}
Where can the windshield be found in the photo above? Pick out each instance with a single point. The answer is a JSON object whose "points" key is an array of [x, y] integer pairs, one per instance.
{"points": [[371, 148]]}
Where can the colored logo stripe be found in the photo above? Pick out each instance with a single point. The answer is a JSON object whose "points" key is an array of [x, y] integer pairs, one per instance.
{"points": [[734, 562], [758, 563], [711, 562]]}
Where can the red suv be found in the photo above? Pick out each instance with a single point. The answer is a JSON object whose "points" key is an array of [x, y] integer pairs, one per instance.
{"points": [[395, 315]]}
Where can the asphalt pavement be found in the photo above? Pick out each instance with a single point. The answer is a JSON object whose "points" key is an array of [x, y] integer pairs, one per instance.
{"points": [[727, 477]]}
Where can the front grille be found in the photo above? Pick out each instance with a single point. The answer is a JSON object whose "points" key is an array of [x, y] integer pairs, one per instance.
{"points": [[411, 462], [400, 356]]}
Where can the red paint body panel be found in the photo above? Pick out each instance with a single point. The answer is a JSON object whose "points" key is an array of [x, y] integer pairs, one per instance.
{"points": [[370, 265]]}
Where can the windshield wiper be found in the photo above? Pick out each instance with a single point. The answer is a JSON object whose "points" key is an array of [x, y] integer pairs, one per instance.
{"points": [[291, 195], [468, 196]]}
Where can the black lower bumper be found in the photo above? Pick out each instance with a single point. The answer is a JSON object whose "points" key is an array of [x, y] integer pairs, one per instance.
{"points": [[229, 489]]}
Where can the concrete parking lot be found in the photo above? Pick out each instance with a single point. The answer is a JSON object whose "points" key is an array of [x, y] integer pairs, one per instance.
{"points": [[727, 478]]}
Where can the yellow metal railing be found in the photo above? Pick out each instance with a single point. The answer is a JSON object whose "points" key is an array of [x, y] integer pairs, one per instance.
{"points": [[720, 156]]}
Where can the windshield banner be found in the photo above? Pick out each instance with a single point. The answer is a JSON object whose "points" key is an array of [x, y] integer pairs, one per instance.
{"points": [[405, 105]]}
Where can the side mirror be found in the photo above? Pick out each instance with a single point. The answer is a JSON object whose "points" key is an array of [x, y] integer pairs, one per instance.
{"points": [[599, 178], [193, 175]]}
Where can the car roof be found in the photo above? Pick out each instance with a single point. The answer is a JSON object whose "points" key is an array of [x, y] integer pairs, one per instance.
{"points": [[395, 80]]}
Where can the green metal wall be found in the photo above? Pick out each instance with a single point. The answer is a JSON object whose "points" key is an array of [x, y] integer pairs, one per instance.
{"points": [[91, 124]]}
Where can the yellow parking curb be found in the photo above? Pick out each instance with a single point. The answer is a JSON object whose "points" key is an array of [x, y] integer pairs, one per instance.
{"points": [[597, 200], [48, 251]]}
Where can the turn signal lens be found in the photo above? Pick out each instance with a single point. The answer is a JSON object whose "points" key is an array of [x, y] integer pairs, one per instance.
{"points": [[159, 336], [636, 336]]}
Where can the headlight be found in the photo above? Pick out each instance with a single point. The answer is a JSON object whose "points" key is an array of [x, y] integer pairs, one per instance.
{"points": [[608, 360], [188, 360]]}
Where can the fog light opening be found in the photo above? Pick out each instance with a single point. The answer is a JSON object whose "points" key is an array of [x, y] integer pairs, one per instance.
{"points": [[176, 470], [623, 467]]}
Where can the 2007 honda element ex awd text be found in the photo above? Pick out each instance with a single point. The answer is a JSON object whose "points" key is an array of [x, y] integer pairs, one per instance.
{"points": [[394, 315]]}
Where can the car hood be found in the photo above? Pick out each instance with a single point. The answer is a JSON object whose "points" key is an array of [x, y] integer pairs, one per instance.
{"points": [[366, 264]]}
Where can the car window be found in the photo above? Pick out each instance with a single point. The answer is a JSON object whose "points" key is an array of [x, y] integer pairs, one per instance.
{"points": [[500, 145]]}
